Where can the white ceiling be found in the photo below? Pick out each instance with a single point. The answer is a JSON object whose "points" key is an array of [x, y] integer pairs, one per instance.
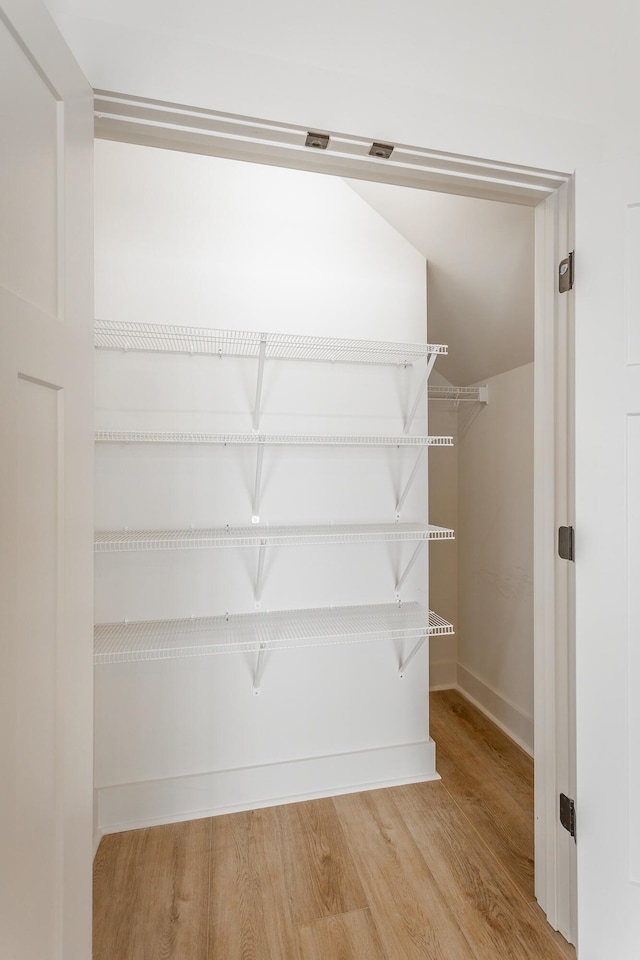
{"points": [[567, 59], [480, 277]]}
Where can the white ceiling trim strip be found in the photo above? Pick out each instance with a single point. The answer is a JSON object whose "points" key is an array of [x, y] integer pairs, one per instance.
{"points": [[193, 130]]}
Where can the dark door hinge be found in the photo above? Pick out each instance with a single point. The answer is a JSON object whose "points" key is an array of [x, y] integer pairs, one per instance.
{"points": [[568, 814], [565, 273], [566, 543]]}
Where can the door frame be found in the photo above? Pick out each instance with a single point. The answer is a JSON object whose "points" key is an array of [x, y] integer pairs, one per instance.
{"points": [[195, 130], [554, 578]]}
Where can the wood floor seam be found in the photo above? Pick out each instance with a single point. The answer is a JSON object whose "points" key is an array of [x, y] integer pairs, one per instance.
{"points": [[488, 849], [332, 916]]}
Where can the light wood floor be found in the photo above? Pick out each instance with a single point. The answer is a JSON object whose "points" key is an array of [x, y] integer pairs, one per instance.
{"points": [[440, 870]]}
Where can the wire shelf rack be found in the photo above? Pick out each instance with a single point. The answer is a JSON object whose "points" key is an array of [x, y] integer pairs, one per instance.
{"points": [[251, 632], [458, 394], [107, 541], [120, 335], [269, 439]]}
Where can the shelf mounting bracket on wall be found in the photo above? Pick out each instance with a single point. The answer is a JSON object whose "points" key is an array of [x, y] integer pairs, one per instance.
{"points": [[262, 350], [409, 567], [257, 678], [260, 574], [407, 660], [423, 386], [255, 512], [409, 483]]}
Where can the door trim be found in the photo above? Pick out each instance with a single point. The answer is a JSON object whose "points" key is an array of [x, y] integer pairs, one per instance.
{"points": [[190, 129], [554, 579], [172, 126]]}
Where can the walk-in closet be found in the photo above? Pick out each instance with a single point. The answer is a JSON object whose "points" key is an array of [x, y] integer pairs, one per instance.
{"points": [[284, 538]]}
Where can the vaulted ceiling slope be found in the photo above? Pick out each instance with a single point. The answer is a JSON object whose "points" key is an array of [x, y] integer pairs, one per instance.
{"points": [[480, 275]]}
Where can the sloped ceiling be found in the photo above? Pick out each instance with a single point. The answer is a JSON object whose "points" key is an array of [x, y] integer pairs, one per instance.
{"points": [[480, 275]]}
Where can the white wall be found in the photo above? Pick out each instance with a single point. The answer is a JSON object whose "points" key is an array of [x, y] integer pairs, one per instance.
{"points": [[216, 242], [443, 569], [483, 581], [496, 80], [194, 240], [481, 267], [495, 552]]}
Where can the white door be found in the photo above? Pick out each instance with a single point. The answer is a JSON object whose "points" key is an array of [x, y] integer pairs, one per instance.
{"points": [[608, 559], [46, 139]]}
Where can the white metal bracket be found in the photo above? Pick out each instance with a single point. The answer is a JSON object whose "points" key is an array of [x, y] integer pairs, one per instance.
{"points": [[255, 512], [409, 567], [407, 660], [423, 387], [260, 575], [409, 482], [261, 355], [257, 677]]}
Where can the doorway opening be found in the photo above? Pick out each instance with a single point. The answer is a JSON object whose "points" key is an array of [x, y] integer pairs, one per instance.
{"points": [[499, 184]]}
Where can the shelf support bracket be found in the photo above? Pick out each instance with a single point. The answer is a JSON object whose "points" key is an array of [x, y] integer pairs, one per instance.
{"points": [[255, 512], [261, 355], [409, 483], [409, 567], [260, 575], [407, 660], [423, 387], [257, 678]]}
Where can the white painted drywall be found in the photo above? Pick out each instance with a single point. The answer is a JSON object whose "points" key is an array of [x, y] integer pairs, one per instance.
{"points": [[495, 552], [295, 250], [494, 51], [195, 240], [496, 80], [443, 509], [481, 259]]}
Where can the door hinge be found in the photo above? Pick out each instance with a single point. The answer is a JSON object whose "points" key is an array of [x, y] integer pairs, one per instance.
{"points": [[565, 273], [568, 814], [566, 543]]}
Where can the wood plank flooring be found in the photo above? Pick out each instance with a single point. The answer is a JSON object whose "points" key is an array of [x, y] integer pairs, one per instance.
{"points": [[430, 871]]}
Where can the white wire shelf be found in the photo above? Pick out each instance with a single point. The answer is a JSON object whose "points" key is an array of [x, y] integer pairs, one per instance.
{"points": [[157, 338], [269, 439], [458, 394], [117, 541], [250, 632]]}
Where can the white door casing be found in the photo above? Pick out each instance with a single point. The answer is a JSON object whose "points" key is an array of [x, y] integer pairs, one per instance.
{"points": [[608, 559], [46, 422], [554, 629]]}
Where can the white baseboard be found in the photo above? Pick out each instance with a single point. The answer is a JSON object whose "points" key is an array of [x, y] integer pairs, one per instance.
{"points": [[510, 718], [148, 803], [442, 675]]}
